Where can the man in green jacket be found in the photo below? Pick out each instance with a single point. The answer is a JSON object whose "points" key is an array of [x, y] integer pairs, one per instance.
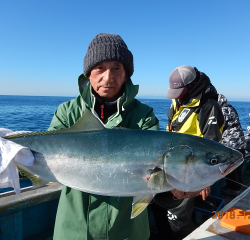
{"points": [[107, 90]]}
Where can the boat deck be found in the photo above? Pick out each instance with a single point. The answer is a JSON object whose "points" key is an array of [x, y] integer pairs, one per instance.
{"points": [[212, 229]]}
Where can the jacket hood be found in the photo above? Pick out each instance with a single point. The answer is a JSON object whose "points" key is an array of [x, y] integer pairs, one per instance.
{"points": [[85, 89], [221, 99], [210, 92], [202, 90]]}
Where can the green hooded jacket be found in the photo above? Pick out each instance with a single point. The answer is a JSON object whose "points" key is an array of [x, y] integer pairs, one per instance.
{"points": [[87, 216]]}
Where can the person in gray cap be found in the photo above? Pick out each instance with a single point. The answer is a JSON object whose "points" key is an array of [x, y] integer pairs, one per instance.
{"points": [[194, 110], [108, 92]]}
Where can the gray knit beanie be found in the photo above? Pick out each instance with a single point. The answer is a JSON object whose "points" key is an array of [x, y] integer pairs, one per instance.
{"points": [[108, 47]]}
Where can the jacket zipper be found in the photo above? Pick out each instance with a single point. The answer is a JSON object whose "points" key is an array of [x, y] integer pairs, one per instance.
{"points": [[102, 113]]}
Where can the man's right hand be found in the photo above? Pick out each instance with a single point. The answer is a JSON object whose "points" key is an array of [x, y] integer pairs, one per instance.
{"points": [[180, 194]]}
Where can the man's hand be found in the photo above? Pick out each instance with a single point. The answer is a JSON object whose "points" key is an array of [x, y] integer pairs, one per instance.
{"points": [[179, 194], [204, 193]]}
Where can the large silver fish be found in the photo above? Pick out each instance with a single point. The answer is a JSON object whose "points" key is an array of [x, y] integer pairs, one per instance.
{"points": [[123, 162]]}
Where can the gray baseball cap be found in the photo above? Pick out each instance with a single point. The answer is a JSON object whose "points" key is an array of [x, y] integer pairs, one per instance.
{"points": [[178, 79]]}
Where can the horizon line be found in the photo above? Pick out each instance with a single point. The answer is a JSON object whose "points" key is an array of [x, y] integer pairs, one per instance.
{"points": [[139, 97]]}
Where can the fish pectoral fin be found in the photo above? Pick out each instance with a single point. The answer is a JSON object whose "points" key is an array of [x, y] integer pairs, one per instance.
{"points": [[36, 180], [140, 203], [157, 179]]}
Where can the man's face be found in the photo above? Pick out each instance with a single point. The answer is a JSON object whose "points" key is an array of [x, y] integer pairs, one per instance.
{"points": [[107, 79]]}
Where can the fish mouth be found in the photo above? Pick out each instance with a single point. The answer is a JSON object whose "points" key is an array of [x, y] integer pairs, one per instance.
{"points": [[229, 167]]}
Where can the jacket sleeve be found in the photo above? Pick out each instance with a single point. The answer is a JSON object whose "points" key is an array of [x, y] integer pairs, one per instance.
{"points": [[59, 120], [66, 114], [151, 122], [138, 115], [211, 120], [231, 117], [232, 136], [170, 116]]}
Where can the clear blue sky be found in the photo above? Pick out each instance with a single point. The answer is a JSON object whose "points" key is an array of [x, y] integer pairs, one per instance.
{"points": [[43, 42]]}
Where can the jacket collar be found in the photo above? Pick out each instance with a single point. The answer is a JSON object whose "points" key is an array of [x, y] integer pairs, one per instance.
{"points": [[130, 91], [208, 93], [85, 89]]}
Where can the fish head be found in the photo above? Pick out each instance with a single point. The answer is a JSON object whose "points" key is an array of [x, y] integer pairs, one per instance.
{"points": [[194, 163]]}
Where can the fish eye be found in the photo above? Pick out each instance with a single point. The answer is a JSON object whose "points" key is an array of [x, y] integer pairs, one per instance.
{"points": [[213, 161]]}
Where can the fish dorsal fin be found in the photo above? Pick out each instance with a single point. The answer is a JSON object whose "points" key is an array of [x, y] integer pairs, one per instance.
{"points": [[140, 203], [88, 122]]}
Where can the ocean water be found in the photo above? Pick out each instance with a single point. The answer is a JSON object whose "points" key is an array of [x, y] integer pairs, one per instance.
{"points": [[33, 113], [29, 113]]}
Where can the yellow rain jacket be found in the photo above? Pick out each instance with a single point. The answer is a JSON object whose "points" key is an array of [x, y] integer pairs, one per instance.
{"points": [[201, 118]]}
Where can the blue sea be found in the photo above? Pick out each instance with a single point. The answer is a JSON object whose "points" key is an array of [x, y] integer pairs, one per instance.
{"points": [[34, 113]]}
